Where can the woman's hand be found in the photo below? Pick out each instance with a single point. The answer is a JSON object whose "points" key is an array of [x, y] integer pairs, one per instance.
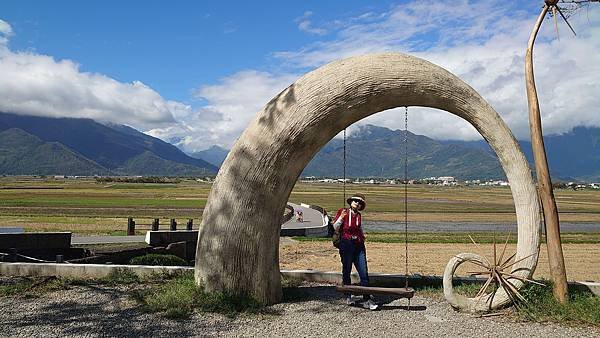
{"points": [[343, 214]]}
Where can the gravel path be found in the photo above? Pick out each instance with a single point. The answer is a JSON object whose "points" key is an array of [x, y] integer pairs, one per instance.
{"points": [[92, 311]]}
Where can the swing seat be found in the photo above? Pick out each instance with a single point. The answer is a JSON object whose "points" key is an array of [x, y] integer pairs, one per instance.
{"points": [[370, 290]]}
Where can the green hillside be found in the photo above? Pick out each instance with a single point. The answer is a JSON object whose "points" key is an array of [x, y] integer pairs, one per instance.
{"points": [[148, 164], [24, 154]]}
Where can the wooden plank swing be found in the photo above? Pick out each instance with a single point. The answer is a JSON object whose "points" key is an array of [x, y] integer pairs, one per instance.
{"points": [[405, 292], [372, 290]]}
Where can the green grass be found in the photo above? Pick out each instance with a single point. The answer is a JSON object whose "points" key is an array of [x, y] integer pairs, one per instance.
{"points": [[17, 287], [142, 186], [458, 237], [90, 201], [582, 308], [437, 293], [119, 276], [157, 259], [180, 297], [31, 286]]}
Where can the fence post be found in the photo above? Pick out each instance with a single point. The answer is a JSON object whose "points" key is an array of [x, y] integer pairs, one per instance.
{"points": [[173, 224], [155, 224], [130, 226], [190, 223]]}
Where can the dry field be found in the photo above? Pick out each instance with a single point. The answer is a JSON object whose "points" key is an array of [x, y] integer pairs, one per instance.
{"points": [[582, 260], [87, 206]]}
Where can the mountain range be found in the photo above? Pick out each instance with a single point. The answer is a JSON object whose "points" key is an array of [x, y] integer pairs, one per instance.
{"points": [[377, 152], [32, 145]]}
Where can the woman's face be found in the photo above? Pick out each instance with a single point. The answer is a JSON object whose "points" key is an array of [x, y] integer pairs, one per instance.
{"points": [[355, 204]]}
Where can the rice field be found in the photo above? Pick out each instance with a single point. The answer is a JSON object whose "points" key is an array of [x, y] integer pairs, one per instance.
{"points": [[87, 206]]}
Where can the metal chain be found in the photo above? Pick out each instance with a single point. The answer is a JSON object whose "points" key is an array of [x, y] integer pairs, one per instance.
{"points": [[344, 182], [406, 194]]}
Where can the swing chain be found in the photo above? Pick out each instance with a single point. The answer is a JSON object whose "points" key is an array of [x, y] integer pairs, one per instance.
{"points": [[406, 194], [344, 181]]}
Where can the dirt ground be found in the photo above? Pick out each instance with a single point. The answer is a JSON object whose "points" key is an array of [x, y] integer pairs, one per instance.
{"points": [[581, 260]]}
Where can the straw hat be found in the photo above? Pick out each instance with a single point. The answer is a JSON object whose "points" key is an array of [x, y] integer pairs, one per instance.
{"points": [[360, 198]]}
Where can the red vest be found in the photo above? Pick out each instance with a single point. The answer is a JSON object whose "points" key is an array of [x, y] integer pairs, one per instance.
{"points": [[351, 226]]}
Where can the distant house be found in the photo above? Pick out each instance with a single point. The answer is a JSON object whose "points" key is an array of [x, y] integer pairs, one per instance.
{"points": [[446, 180]]}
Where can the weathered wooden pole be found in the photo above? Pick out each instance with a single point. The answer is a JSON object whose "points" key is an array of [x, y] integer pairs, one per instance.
{"points": [[553, 243], [130, 226]]}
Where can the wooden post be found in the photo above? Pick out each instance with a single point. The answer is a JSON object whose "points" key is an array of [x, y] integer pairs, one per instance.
{"points": [[130, 226], [173, 224], [155, 224], [190, 224], [553, 243]]}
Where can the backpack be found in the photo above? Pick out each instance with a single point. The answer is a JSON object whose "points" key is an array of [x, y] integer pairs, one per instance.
{"points": [[337, 236]]}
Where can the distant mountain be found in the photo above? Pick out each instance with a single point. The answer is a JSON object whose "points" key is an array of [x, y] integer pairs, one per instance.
{"points": [[378, 152], [24, 154], [149, 164], [571, 156], [214, 155], [117, 149]]}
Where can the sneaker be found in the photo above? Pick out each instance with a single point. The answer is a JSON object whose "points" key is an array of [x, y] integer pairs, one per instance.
{"points": [[371, 305], [353, 300]]}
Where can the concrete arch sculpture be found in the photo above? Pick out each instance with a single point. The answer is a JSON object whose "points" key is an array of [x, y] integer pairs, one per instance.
{"points": [[239, 236]]}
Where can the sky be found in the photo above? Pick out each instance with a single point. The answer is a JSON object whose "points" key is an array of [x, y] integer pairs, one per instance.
{"points": [[195, 73]]}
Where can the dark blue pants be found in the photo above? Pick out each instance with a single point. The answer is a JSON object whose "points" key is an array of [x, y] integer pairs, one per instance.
{"points": [[352, 253]]}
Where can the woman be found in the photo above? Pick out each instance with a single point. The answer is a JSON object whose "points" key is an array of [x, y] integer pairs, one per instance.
{"points": [[352, 244]]}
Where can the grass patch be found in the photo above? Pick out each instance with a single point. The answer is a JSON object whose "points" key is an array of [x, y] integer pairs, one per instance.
{"points": [[437, 293], [157, 259], [119, 276], [180, 297], [458, 237], [583, 306], [15, 287], [30, 287]]}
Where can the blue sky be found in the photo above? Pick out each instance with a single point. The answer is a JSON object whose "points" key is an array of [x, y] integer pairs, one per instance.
{"points": [[195, 72]]}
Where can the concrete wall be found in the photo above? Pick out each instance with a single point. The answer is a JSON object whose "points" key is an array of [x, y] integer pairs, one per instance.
{"points": [[166, 237], [35, 240]]}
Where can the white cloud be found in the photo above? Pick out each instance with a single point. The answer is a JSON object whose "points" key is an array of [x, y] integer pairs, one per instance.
{"points": [[484, 44], [417, 25], [34, 84], [5, 33], [481, 42], [305, 25], [232, 104]]}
